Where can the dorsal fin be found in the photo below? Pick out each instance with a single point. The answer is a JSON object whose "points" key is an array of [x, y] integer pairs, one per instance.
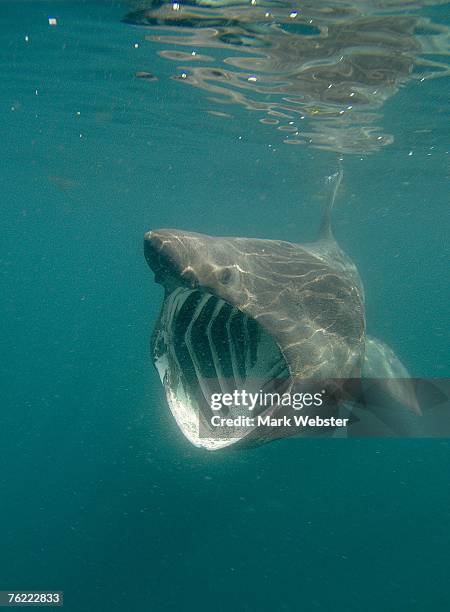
{"points": [[334, 181]]}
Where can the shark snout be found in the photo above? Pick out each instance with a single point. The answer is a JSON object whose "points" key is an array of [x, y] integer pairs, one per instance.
{"points": [[193, 260], [160, 254], [155, 240], [161, 245], [152, 249], [169, 254]]}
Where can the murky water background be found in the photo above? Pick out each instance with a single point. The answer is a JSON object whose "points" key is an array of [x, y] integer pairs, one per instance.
{"points": [[100, 495]]}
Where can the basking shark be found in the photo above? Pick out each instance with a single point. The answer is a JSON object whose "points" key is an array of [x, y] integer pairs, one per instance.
{"points": [[263, 314]]}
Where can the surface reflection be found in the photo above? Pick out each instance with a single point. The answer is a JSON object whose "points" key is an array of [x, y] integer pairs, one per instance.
{"points": [[319, 72]]}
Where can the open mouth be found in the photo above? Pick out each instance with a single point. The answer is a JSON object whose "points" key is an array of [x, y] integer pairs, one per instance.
{"points": [[202, 346]]}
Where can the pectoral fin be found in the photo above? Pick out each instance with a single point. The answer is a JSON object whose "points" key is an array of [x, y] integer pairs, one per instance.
{"points": [[393, 378]]}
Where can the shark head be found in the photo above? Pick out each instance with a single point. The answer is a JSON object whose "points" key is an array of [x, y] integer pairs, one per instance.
{"points": [[197, 261], [244, 313]]}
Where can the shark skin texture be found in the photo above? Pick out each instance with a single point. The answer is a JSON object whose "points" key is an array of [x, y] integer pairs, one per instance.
{"points": [[245, 313]]}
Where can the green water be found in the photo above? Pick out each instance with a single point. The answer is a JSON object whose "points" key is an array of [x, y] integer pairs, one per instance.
{"points": [[100, 495]]}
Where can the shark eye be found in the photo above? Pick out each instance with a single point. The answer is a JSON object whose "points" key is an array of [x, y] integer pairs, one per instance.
{"points": [[225, 276]]}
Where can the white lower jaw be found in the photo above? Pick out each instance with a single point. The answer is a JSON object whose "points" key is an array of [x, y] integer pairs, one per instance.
{"points": [[185, 414]]}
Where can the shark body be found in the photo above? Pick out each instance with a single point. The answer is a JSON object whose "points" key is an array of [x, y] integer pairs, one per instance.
{"points": [[244, 313]]}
